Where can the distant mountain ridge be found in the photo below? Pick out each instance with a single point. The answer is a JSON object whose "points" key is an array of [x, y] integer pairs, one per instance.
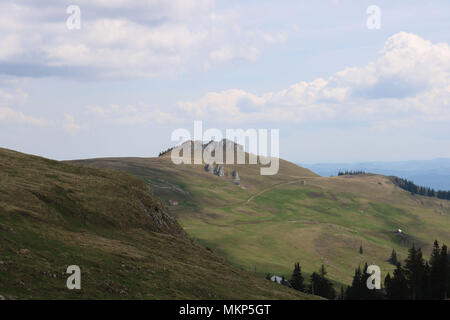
{"points": [[430, 173]]}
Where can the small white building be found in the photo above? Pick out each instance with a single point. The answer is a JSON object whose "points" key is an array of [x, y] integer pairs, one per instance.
{"points": [[276, 279]]}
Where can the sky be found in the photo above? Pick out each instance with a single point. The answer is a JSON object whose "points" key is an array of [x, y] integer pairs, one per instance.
{"points": [[338, 88]]}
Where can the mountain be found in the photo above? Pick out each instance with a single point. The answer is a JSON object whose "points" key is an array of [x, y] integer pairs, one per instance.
{"points": [[268, 223], [429, 173], [126, 242]]}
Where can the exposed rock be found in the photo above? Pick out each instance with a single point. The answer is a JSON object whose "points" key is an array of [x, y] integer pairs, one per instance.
{"points": [[193, 144], [235, 175], [209, 168], [219, 171], [216, 150], [225, 144]]}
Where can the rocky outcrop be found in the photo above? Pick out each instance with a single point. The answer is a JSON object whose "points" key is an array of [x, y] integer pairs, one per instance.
{"points": [[218, 171], [235, 175], [225, 144], [209, 168]]}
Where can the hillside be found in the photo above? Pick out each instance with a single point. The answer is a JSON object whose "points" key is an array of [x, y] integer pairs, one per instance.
{"points": [[127, 244], [430, 173], [270, 222]]}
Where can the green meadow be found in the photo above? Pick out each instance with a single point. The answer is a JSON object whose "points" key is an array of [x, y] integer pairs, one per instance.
{"points": [[270, 222]]}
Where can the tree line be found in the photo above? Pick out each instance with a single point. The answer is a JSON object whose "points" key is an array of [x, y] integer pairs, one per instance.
{"points": [[416, 279], [423, 191], [319, 284], [351, 173], [407, 185], [165, 151]]}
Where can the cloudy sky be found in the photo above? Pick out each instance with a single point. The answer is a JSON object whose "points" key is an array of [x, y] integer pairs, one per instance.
{"points": [[138, 69]]}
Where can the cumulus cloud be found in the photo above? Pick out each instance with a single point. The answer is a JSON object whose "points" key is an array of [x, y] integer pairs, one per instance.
{"points": [[410, 78], [11, 116], [123, 39], [12, 97], [71, 126]]}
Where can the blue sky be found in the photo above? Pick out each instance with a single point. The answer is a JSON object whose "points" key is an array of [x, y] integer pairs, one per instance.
{"points": [[137, 70]]}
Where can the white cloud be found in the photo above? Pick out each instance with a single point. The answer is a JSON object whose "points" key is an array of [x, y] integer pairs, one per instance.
{"points": [[11, 116], [410, 78], [124, 39], [11, 98], [69, 125]]}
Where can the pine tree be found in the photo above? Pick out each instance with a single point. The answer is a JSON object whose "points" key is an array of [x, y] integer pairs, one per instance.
{"points": [[342, 294], [297, 280], [435, 272], [354, 292], [427, 291], [361, 250], [445, 272], [366, 293], [284, 282], [359, 289], [321, 286], [314, 283], [387, 282], [397, 285], [393, 259], [414, 268]]}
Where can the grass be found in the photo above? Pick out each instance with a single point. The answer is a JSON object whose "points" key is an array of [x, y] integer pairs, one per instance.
{"points": [[276, 220], [128, 246]]}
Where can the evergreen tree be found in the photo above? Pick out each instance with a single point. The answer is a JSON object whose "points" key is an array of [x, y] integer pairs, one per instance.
{"points": [[445, 272], [321, 286], [387, 282], [366, 293], [435, 272], [415, 269], [342, 294], [427, 291], [415, 189], [397, 285], [284, 282], [360, 249], [393, 259], [297, 280], [354, 292]]}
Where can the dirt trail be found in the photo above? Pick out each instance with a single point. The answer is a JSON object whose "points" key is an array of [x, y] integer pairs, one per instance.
{"points": [[264, 191]]}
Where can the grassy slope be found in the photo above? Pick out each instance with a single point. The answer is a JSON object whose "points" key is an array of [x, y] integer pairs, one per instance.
{"points": [[54, 214], [276, 220]]}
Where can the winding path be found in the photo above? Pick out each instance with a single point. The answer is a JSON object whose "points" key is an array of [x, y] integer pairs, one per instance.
{"points": [[264, 191]]}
